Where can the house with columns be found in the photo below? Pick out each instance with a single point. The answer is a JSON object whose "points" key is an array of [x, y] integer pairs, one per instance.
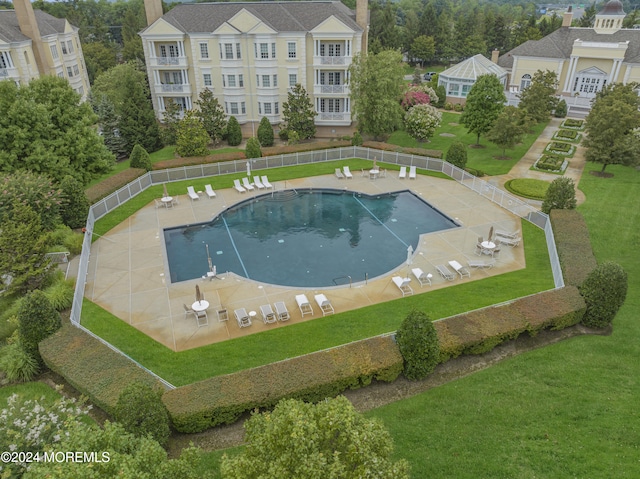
{"points": [[249, 54], [34, 43]]}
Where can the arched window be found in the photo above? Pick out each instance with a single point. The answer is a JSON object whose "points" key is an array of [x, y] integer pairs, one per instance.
{"points": [[525, 82]]}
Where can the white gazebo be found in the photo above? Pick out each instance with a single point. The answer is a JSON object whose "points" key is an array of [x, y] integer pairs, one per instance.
{"points": [[459, 79]]}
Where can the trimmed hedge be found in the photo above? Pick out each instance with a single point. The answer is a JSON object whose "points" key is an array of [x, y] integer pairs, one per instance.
{"points": [[378, 145], [313, 377], [480, 331], [91, 367], [300, 147], [113, 183], [574, 246], [199, 160]]}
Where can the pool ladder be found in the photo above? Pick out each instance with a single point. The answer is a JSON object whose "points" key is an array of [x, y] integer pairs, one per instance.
{"points": [[342, 277], [284, 195]]}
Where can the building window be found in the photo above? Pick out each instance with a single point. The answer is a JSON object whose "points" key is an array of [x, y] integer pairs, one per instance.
{"points": [[330, 105], [60, 74], [258, 80], [465, 90], [5, 60], [259, 108], [69, 72], [453, 89], [70, 46], [275, 80], [273, 50], [276, 108], [266, 82], [234, 108], [330, 49], [264, 50], [267, 108], [238, 51], [226, 107], [63, 45], [76, 71], [224, 81], [231, 79], [293, 79], [525, 82], [228, 51], [204, 51], [291, 49], [54, 52], [243, 108], [207, 79], [241, 80]]}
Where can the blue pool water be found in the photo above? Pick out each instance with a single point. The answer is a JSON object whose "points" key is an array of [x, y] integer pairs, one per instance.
{"points": [[308, 239]]}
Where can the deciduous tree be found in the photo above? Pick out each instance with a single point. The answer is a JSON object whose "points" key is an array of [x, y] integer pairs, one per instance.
{"points": [[484, 104], [423, 48], [538, 100], [329, 440], [561, 195], [421, 121], [507, 130], [298, 113], [377, 85], [611, 127]]}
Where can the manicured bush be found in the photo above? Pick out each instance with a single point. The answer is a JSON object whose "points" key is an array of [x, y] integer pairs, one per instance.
{"points": [[549, 163], [448, 106], [457, 154], [139, 158], [283, 134], [561, 109], [560, 148], [293, 138], [573, 244], [265, 132], [528, 187], [441, 92], [458, 107], [567, 134], [75, 205], [60, 294], [418, 343], [378, 145], [253, 148], [572, 123], [234, 132], [37, 319], [89, 366], [312, 377], [113, 183], [141, 412], [17, 364], [303, 147], [561, 195], [357, 139], [200, 160], [604, 291]]}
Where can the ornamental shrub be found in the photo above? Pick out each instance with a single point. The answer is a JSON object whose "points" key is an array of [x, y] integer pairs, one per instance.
{"points": [[604, 291], [265, 132], [421, 121], [234, 132], [293, 138], [253, 148], [141, 412], [75, 205], [457, 154], [17, 364], [561, 109], [283, 134], [441, 92], [139, 159], [561, 195], [357, 139], [37, 319], [418, 342]]}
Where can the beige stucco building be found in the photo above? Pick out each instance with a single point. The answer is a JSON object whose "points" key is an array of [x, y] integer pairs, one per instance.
{"points": [[34, 43], [250, 54]]}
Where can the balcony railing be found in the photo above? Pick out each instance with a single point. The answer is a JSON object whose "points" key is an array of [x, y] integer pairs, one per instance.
{"points": [[171, 87], [336, 89], [8, 72], [334, 117], [168, 61], [328, 60]]}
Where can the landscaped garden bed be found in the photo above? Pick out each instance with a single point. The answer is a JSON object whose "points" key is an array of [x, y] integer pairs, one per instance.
{"points": [[551, 164], [528, 188], [560, 148], [567, 135], [573, 124]]}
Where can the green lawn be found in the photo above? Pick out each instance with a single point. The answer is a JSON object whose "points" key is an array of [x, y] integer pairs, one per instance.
{"points": [[567, 410], [31, 390], [296, 339], [482, 159]]}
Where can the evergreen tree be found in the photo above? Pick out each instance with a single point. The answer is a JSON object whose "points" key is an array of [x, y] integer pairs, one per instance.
{"points": [[418, 343], [457, 154], [298, 113], [109, 122], [192, 137], [484, 104], [139, 158], [234, 132], [211, 115], [75, 205], [253, 148], [265, 132], [170, 122]]}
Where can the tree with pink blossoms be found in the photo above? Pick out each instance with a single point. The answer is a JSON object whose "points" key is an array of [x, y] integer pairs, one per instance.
{"points": [[418, 95]]}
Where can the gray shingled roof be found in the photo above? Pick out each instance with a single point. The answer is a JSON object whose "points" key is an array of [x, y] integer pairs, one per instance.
{"points": [[281, 16], [559, 44], [10, 30], [472, 68]]}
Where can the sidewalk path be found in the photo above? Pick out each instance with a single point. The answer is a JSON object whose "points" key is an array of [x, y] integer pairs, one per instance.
{"points": [[522, 168]]}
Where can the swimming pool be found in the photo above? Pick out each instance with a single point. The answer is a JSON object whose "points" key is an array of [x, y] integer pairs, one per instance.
{"points": [[305, 238]]}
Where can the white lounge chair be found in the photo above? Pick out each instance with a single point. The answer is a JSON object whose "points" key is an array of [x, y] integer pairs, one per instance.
{"points": [[238, 186], [422, 277], [403, 285], [461, 270], [245, 183], [192, 194], [268, 316], [281, 311], [403, 172], [257, 182], [265, 182], [508, 241], [304, 304], [474, 263], [445, 272], [242, 318], [324, 304], [507, 234], [339, 174], [347, 172], [412, 173], [209, 191]]}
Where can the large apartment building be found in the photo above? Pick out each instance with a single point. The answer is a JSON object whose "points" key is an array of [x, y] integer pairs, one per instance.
{"points": [[34, 43], [249, 54]]}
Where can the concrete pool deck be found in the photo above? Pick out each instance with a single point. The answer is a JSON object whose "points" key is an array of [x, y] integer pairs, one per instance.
{"points": [[128, 275]]}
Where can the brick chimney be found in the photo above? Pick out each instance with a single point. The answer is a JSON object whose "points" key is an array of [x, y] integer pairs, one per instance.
{"points": [[29, 27], [495, 54], [362, 19], [153, 9], [567, 17]]}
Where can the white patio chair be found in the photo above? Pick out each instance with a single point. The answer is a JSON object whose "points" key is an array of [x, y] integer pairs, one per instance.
{"points": [[258, 183], [347, 173], [281, 311], [238, 187], [339, 174], [245, 183], [403, 285], [265, 182], [403, 172], [324, 304], [412, 173], [192, 194], [422, 277], [304, 305], [445, 272], [268, 316], [461, 270], [210, 192]]}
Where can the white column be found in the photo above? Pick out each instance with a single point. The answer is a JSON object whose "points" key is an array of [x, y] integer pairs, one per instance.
{"points": [[615, 71], [570, 74]]}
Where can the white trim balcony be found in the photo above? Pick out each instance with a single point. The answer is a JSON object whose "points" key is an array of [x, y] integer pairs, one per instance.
{"points": [[329, 61], [168, 62], [343, 118], [330, 89], [173, 88], [7, 73]]}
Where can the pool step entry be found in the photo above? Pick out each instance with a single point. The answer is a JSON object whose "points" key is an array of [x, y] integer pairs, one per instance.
{"points": [[284, 195]]}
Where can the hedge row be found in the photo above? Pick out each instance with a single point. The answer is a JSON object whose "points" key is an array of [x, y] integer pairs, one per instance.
{"points": [[223, 399], [199, 160], [300, 147], [478, 332], [113, 183], [91, 367], [410, 151], [573, 244]]}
